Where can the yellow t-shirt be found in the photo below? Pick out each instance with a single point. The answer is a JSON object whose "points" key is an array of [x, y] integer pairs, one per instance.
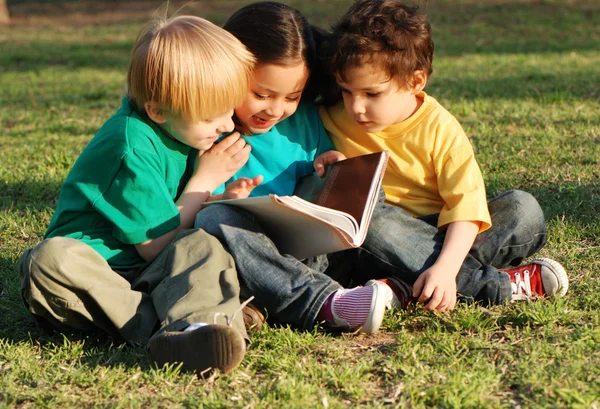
{"points": [[432, 166]]}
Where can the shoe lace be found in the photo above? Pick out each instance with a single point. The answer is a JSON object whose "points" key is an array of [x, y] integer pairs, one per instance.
{"points": [[228, 320], [522, 286]]}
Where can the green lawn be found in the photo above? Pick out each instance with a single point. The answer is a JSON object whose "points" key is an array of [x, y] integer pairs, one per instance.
{"points": [[523, 77]]}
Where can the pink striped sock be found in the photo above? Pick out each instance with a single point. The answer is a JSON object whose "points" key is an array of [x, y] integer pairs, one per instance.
{"points": [[348, 308]]}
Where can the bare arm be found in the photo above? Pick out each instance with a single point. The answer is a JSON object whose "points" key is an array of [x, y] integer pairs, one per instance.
{"points": [[213, 168], [437, 284]]}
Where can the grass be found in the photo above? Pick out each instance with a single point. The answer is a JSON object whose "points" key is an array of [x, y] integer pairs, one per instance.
{"points": [[521, 76]]}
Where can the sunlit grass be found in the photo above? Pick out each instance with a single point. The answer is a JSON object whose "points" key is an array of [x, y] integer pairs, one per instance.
{"points": [[521, 76]]}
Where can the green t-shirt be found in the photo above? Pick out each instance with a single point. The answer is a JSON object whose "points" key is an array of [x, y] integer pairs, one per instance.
{"points": [[122, 189]]}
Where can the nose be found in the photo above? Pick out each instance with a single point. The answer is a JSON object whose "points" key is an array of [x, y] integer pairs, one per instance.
{"points": [[357, 106], [275, 109], [227, 124]]}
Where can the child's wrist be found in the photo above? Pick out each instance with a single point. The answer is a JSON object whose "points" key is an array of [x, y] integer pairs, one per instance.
{"points": [[201, 185]]}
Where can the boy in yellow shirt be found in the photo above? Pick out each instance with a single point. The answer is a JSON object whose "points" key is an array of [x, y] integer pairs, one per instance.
{"points": [[435, 229]]}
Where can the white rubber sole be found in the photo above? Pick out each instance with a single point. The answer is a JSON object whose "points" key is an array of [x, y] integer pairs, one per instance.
{"points": [[558, 279], [381, 296]]}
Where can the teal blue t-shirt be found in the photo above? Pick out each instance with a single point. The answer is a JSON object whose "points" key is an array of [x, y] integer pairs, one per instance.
{"points": [[122, 189], [286, 152]]}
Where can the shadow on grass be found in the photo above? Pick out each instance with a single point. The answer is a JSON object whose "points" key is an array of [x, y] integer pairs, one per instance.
{"points": [[569, 202], [29, 194], [574, 203], [458, 29], [498, 27], [545, 88], [41, 54]]}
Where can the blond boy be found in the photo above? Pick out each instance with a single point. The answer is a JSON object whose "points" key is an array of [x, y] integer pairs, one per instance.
{"points": [[120, 254]]}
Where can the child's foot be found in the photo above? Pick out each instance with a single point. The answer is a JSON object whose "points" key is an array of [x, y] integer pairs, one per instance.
{"points": [[401, 295], [357, 308], [542, 277], [253, 317], [202, 350]]}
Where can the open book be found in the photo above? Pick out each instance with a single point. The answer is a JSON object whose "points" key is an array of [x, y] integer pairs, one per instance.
{"points": [[324, 215]]}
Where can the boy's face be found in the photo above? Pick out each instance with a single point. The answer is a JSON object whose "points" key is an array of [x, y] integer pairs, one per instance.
{"points": [[375, 102], [200, 135], [274, 95]]}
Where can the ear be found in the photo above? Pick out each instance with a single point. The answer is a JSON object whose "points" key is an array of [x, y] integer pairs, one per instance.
{"points": [[419, 81], [155, 112]]}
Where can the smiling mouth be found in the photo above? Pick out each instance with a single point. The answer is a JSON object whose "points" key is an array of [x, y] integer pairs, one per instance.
{"points": [[258, 121]]}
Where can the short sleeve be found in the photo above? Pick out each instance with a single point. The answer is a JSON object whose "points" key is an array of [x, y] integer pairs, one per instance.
{"points": [[137, 201], [462, 188]]}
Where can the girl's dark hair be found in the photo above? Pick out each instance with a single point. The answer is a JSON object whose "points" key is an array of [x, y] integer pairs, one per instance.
{"points": [[278, 34], [388, 33]]}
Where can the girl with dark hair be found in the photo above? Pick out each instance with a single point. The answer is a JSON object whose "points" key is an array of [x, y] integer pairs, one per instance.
{"points": [[288, 141]]}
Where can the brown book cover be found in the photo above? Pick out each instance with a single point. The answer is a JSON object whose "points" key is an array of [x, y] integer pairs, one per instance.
{"points": [[325, 214], [345, 187]]}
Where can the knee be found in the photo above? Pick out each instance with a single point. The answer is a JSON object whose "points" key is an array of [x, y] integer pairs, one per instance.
{"points": [[47, 255], [524, 204], [197, 244], [214, 217], [520, 206], [55, 259]]}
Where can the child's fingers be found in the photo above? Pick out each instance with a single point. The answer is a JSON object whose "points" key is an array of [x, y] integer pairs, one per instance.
{"points": [[241, 155], [435, 300], [418, 287], [232, 140], [319, 168], [447, 303], [237, 146], [257, 180]]}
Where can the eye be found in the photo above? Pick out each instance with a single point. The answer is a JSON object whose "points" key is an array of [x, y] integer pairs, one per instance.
{"points": [[260, 96], [373, 94], [345, 91], [293, 99]]}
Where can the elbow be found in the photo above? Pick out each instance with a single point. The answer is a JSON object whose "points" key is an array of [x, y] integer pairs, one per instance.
{"points": [[147, 250]]}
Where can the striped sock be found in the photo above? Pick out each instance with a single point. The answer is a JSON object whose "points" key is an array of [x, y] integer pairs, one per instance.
{"points": [[347, 308]]}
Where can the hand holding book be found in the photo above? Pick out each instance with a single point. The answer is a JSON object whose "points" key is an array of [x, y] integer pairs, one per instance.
{"points": [[324, 215]]}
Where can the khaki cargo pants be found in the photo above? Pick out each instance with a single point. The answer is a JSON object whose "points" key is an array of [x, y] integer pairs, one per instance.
{"points": [[69, 286]]}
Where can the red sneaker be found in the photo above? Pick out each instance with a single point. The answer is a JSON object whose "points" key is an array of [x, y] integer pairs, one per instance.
{"points": [[401, 296], [543, 277]]}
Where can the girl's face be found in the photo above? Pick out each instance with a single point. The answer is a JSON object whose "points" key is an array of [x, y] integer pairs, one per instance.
{"points": [[274, 94]]}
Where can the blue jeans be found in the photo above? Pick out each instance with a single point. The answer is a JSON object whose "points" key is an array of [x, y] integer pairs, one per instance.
{"points": [[290, 290], [400, 245]]}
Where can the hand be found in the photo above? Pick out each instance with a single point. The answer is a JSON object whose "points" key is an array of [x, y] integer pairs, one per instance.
{"points": [[218, 164], [325, 159], [241, 188], [437, 288]]}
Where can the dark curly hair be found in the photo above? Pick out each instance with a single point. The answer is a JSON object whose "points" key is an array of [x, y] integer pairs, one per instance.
{"points": [[388, 33]]}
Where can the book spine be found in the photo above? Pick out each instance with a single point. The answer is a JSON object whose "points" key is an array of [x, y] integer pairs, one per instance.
{"points": [[322, 200]]}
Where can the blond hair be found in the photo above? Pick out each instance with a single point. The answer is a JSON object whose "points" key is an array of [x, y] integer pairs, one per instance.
{"points": [[189, 67]]}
